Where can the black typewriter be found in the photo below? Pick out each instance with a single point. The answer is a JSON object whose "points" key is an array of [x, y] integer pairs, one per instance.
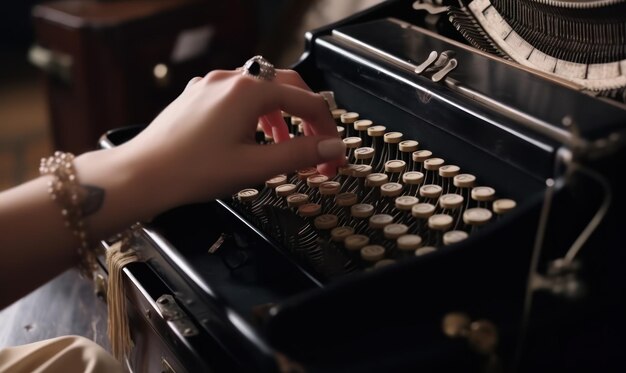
{"points": [[475, 228]]}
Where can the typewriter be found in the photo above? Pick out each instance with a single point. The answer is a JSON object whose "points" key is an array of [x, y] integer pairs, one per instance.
{"points": [[475, 228]]}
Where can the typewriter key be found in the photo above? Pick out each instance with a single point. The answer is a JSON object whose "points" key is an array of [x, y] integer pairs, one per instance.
{"points": [[408, 243], [309, 210], [384, 263], [297, 200], [393, 231], [276, 181], [419, 157], [430, 192], [408, 146], [336, 113], [476, 216], [372, 253], [391, 189], [425, 250], [356, 242], [394, 168], [380, 221], [376, 179], [433, 164], [483, 193], [376, 131], [504, 205], [352, 142], [440, 222], [339, 234], [345, 199], [305, 173], [453, 237], [285, 190], [316, 180], [247, 195], [447, 173], [361, 170], [362, 210], [364, 154], [326, 221], [361, 127], [451, 201], [347, 119], [329, 188], [393, 137], [405, 203]]}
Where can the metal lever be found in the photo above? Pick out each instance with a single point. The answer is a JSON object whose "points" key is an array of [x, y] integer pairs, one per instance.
{"points": [[432, 57], [451, 65]]}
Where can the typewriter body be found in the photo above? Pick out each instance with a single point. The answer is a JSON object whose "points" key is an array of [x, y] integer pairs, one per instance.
{"points": [[258, 284]]}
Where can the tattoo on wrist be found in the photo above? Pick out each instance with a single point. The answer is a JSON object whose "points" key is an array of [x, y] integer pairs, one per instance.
{"points": [[92, 200]]}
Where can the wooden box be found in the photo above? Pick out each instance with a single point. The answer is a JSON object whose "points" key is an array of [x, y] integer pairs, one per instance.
{"points": [[116, 63]]}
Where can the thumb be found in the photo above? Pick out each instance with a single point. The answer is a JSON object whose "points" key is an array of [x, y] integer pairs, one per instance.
{"points": [[305, 151]]}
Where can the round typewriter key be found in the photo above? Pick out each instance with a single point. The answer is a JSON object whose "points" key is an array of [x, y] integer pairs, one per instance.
{"points": [[309, 209], [326, 221], [296, 121], [455, 324], [440, 222], [422, 210], [483, 193], [362, 210], [380, 221], [476, 216], [276, 181], [329, 187], [433, 164], [393, 231], [425, 250], [408, 146], [464, 180], [421, 155], [453, 237], [336, 113], [346, 199], [376, 131], [352, 142], [247, 195], [372, 253], [285, 190], [504, 205], [316, 180], [297, 199], [384, 263], [451, 201], [341, 131], [413, 177], [350, 117], [391, 189], [393, 137], [362, 125], [305, 173], [395, 165], [409, 242], [361, 170], [376, 180], [405, 203], [449, 170], [339, 234], [430, 191], [355, 242], [364, 153]]}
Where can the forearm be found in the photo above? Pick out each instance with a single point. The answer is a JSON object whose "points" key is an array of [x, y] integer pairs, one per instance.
{"points": [[34, 241]]}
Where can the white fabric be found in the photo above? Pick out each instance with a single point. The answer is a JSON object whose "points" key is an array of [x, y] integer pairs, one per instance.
{"points": [[68, 354]]}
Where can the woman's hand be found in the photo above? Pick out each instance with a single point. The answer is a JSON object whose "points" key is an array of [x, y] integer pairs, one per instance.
{"points": [[203, 146]]}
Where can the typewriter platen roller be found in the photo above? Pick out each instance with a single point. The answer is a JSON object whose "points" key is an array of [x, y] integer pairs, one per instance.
{"points": [[451, 241]]}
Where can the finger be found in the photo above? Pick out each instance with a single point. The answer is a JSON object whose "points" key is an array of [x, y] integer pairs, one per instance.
{"points": [[305, 104], [274, 123], [300, 152], [193, 81]]}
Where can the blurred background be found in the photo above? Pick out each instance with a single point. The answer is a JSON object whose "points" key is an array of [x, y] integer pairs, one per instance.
{"points": [[72, 69]]}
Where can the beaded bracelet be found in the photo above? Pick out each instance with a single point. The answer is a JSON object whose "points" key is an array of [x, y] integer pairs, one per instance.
{"points": [[67, 192]]}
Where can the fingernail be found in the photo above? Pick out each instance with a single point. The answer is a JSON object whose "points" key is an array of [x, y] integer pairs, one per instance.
{"points": [[331, 149]]}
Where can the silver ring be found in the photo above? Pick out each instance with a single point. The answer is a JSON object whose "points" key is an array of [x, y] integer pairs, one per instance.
{"points": [[259, 68]]}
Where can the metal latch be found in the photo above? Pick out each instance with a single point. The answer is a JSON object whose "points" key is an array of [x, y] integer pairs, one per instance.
{"points": [[176, 316]]}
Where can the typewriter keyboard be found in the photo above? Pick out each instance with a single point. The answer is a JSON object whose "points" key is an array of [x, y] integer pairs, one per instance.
{"points": [[391, 201]]}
